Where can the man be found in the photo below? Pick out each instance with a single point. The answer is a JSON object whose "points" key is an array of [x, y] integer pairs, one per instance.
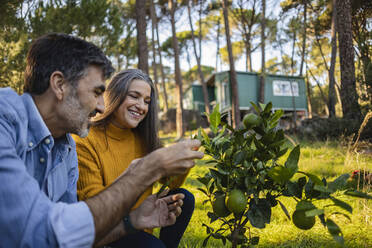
{"points": [[64, 82]]}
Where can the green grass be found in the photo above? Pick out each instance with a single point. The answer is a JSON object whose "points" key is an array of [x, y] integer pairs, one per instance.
{"points": [[326, 159]]}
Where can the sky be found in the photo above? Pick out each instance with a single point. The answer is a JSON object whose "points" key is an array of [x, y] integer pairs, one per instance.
{"points": [[209, 47]]}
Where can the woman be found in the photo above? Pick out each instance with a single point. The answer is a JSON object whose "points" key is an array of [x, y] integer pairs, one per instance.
{"points": [[125, 131]]}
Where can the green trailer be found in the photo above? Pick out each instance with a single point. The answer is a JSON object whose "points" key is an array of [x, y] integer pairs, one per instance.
{"points": [[194, 98], [285, 92]]}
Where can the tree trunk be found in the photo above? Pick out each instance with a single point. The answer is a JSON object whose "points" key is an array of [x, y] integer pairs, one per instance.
{"points": [[250, 67], [165, 96], [303, 39], [218, 42], [331, 72], [308, 97], [154, 65], [200, 27], [201, 75], [293, 52], [179, 112], [141, 35], [321, 92], [263, 73], [233, 79], [349, 97]]}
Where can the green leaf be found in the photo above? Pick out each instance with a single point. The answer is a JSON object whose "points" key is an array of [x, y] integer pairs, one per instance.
{"points": [[255, 240], [281, 152], [322, 219], [239, 157], [205, 136], [224, 241], [292, 161], [313, 178], [284, 210], [339, 183], [199, 134], [202, 190], [280, 174], [215, 118], [262, 105], [259, 213], [314, 212], [335, 231], [256, 108], [342, 204], [358, 194], [268, 107], [206, 241], [276, 116], [321, 188], [204, 180], [305, 205], [294, 189], [212, 216]]}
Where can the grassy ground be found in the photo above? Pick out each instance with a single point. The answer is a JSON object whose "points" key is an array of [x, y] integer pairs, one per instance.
{"points": [[326, 159]]}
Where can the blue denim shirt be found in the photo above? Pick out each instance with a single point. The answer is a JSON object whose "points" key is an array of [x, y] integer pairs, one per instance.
{"points": [[38, 175]]}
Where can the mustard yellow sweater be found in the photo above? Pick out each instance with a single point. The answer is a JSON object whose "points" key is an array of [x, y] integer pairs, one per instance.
{"points": [[103, 156]]}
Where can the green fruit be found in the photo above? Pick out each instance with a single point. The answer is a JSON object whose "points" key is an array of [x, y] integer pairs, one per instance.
{"points": [[236, 201], [251, 120], [301, 221], [218, 205]]}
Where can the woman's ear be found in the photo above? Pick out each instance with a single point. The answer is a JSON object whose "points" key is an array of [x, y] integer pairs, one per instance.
{"points": [[57, 83]]}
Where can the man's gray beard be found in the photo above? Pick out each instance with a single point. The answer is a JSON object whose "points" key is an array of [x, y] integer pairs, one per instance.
{"points": [[83, 133], [75, 116]]}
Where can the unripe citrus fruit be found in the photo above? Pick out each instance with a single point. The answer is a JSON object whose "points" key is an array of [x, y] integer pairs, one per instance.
{"points": [[236, 201], [303, 222], [251, 120], [218, 205]]}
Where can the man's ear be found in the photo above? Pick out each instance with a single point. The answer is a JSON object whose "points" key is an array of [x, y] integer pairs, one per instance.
{"points": [[58, 85]]}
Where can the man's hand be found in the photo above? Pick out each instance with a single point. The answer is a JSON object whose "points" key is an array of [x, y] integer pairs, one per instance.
{"points": [[175, 159], [116, 201], [157, 212]]}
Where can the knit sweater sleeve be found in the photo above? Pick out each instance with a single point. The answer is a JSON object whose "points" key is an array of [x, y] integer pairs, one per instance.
{"points": [[90, 180]]}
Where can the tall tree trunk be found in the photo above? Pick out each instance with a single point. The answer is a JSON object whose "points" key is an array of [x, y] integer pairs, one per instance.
{"points": [[141, 35], [303, 39], [165, 96], [321, 92], [331, 72], [188, 56], [233, 78], [308, 97], [179, 112], [263, 73], [200, 27], [293, 52], [250, 67], [349, 97], [154, 65], [201, 75], [218, 41]]}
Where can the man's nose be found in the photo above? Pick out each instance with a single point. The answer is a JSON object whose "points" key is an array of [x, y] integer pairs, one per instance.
{"points": [[100, 105]]}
